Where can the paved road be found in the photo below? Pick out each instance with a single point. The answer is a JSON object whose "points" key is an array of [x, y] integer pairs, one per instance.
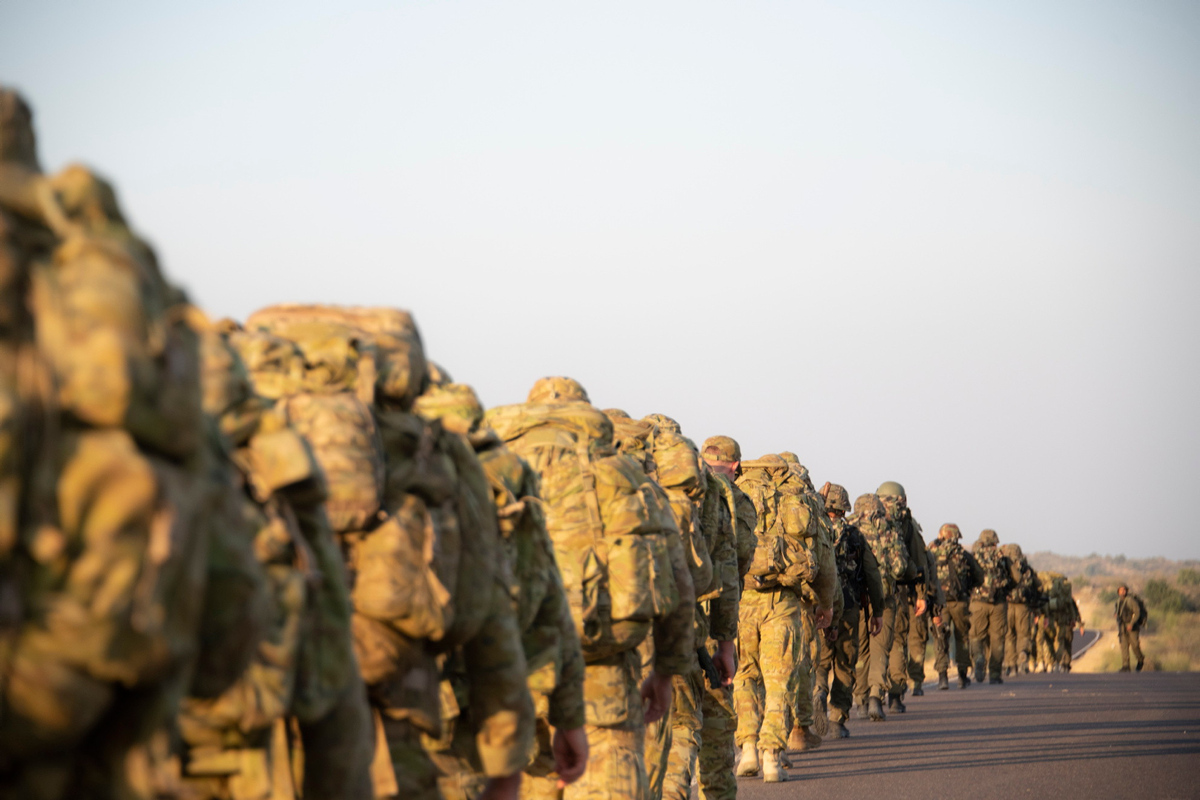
{"points": [[1042, 735]]}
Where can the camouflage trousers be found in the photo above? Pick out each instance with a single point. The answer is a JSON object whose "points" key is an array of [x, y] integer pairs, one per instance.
{"points": [[1045, 634], [918, 642], [402, 768], [989, 625], [898, 654], [1066, 637], [873, 655], [616, 732], [1129, 639], [835, 665], [954, 631], [1016, 641], [718, 748], [769, 642], [672, 748], [806, 665]]}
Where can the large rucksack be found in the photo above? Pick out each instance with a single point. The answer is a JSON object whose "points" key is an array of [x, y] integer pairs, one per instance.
{"points": [[781, 556], [609, 521], [997, 576], [889, 550]]}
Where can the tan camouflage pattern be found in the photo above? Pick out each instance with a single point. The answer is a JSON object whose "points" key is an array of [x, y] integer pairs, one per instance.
{"points": [[770, 641]]}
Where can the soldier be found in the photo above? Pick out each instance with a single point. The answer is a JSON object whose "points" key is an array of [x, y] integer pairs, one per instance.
{"points": [[1021, 596], [989, 608], [957, 573], [566, 441], [862, 593], [769, 629], [820, 602], [1067, 620], [911, 598], [548, 638], [919, 628], [103, 551], [1130, 612], [871, 519], [718, 745]]}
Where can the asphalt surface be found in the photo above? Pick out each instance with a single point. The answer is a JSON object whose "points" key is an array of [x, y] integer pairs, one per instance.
{"points": [[1058, 735]]}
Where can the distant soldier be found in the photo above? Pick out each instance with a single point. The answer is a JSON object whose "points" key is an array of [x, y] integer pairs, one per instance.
{"points": [[1067, 619], [911, 593], [875, 641], [1130, 612], [958, 573], [989, 608], [1023, 593], [862, 594]]}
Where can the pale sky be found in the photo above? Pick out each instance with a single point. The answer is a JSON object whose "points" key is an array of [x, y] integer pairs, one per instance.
{"points": [[955, 245]]}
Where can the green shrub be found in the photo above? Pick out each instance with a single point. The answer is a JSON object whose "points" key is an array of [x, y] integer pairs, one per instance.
{"points": [[1189, 577], [1108, 596], [1162, 596]]}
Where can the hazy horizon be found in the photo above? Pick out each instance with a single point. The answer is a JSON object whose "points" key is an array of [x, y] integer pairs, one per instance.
{"points": [[948, 245]]}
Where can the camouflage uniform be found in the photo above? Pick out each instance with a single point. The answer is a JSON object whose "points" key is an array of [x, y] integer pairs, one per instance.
{"points": [[1065, 621], [1130, 613], [958, 573], [612, 700], [911, 590], [548, 637], [989, 608], [862, 594], [870, 517], [1021, 595], [770, 638], [718, 744], [103, 554]]}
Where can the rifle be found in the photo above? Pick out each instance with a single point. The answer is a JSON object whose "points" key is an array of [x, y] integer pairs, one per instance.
{"points": [[710, 669]]}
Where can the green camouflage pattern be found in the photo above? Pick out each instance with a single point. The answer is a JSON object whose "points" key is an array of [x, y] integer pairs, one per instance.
{"points": [[770, 644], [870, 517]]}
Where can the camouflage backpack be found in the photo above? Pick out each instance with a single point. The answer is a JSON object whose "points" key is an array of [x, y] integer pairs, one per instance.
{"points": [[781, 551], [848, 546], [996, 574], [1024, 589], [953, 569], [870, 517], [609, 521]]}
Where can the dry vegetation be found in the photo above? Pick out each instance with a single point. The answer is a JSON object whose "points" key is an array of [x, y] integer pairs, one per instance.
{"points": [[1170, 589]]}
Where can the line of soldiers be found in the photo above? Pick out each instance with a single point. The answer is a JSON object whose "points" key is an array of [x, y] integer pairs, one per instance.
{"points": [[293, 558]]}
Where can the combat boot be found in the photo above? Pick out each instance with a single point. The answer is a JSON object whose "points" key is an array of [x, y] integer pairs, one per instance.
{"points": [[863, 711], [980, 672], [1141, 663], [837, 729], [918, 690], [963, 681], [896, 704], [773, 771], [748, 767], [995, 679], [875, 710], [943, 682]]}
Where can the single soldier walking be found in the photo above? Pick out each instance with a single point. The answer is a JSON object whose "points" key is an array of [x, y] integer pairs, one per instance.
{"points": [[862, 595], [958, 573], [989, 608], [1130, 612]]}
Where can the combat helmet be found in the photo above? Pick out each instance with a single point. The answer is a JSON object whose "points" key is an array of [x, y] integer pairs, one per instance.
{"points": [[988, 538], [836, 498], [891, 489], [1012, 550], [663, 423], [721, 449], [950, 532], [868, 506], [558, 389], [455, 404]]}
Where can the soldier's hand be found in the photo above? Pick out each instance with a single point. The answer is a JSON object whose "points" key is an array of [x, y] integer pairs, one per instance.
{"points": [[824, 617], [919, 609], [506, 788], [876, 626], [937, 620], [570, 748], [725, 662], [656, 696]]}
